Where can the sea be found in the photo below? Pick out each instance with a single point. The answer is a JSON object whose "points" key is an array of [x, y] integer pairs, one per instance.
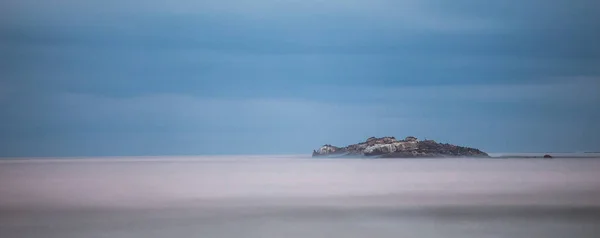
{"points": [[291, 196]]}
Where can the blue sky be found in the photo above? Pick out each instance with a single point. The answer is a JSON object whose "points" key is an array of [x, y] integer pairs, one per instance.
{"points": [[84, 78]]}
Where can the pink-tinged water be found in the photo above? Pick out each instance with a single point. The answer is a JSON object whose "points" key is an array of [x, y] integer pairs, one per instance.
{"points": [[296, 196]]}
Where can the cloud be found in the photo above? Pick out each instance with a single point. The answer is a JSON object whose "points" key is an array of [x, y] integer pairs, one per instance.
{"points": [[84, 124], [66, 112], [176, 124], [570, 90], [140, 76], [131, 72], [379, 13], [432, 15], [62, 112]]}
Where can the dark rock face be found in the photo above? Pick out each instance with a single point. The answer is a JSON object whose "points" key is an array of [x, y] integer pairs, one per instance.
{"points": [[432, 147], [547, 156], [390, 147]]}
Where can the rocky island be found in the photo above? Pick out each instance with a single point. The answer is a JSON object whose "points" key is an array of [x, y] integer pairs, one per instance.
{"points": [[390, 147]]}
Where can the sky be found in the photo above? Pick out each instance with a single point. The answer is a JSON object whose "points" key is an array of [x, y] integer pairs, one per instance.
{"points": [[155, 77]]}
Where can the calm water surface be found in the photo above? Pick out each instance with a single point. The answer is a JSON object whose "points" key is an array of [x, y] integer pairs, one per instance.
{"points": [[295, 196]]}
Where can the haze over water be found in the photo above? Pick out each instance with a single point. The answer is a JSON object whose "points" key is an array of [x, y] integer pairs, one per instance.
{"points": [[295, 196]]}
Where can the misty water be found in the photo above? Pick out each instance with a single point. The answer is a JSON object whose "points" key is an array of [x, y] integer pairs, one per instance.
{"points": [[296, 196]]}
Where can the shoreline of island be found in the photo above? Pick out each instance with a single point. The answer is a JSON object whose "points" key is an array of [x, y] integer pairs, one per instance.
{"points": [[411, 147]]}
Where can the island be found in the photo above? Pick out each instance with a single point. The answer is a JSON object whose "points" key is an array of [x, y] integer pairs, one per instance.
{"points": [[390, 147]]}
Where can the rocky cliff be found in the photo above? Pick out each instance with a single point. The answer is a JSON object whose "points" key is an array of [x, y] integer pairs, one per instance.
{"points": [[390, 147]]}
